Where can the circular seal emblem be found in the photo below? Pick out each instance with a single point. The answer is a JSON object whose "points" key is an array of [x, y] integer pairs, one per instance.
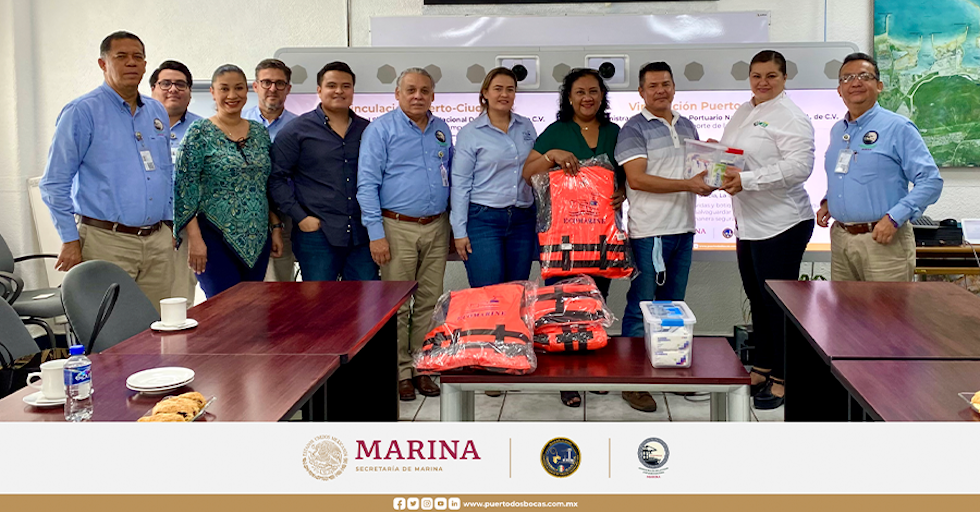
{"points": [[728, 232], [325, 457], [441, 137], [871, 137], [158, 124], [653, 453], [560, 457]]}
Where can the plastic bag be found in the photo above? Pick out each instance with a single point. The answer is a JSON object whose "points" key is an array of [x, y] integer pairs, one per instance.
{"points": [[571, 316], [571, 301], [488, 328], [570, 338], [577, 228], [712, 157]]}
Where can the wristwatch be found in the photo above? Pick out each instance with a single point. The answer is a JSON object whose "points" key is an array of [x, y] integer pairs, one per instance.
{"points": [[280, 225]]}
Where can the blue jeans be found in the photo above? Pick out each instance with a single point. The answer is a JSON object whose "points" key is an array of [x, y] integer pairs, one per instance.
{"points": [[224, 267], [677, 251], [320, 261], [504, 244]]}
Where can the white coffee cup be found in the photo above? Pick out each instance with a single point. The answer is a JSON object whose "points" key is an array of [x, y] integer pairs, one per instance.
{"points": [[173, 311], [51, 379]]}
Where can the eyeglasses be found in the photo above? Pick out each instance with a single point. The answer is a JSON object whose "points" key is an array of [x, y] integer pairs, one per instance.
{"points": [[267, 84], [864, 77], [167, 84]]}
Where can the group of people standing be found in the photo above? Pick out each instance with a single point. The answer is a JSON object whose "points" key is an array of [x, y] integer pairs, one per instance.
{"points": [[130, 178]]}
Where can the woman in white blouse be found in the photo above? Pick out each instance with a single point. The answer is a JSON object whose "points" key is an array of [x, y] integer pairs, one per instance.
{"points": [[773, 215]]}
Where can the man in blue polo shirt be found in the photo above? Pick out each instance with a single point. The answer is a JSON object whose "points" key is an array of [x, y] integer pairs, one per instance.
{"points": [[170, 84], [403, 190], [314, 181], [872, 157], [109, 165], [650, 148]]}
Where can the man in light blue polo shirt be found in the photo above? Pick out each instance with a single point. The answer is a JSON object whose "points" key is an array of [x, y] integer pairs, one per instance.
{"points": [[272, 86], [170, 84], [872, 157], [403, 190], [109, 165]]}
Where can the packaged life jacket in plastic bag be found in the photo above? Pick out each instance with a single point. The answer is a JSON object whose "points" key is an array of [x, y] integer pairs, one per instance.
{"points": [[485, 328], [570, 338], [571, 316], [577, 228], [575, 300]]}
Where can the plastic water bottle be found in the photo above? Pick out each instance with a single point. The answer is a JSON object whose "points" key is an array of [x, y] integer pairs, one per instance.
{"points": [[78, 385]]}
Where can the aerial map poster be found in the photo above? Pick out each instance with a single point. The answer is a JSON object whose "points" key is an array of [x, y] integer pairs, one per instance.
{"points": [[928, 53]]}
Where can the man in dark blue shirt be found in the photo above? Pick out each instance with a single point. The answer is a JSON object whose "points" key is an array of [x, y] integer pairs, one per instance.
{"points": [[318, 152]]}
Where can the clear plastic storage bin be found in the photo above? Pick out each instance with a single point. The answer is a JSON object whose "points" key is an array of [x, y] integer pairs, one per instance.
{"points": [[669, 332], [714, 158]]}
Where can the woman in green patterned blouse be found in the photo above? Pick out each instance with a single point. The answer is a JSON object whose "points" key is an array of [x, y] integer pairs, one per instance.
{"points": [[220, 200]]}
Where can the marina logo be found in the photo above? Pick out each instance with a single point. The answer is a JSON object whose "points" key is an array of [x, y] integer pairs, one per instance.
{"points": [[653, 454], [560, 457], [325, 457]]}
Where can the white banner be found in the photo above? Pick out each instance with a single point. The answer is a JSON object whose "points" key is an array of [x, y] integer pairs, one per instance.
{"points": [[445, 459]]}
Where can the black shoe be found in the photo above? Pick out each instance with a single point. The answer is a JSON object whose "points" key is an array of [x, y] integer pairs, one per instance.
{"points": [[755, 389], [765, 400], [571, 398]]}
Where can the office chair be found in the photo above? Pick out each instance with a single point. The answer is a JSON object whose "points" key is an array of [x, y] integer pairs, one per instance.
{"points": [[31, 305], [87, 294]]}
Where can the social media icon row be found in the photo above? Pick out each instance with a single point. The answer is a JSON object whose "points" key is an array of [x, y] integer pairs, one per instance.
{"points": [[426, 503]]}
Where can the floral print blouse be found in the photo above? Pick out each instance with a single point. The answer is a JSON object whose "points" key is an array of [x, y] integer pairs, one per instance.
{"points": [[226, 182]]}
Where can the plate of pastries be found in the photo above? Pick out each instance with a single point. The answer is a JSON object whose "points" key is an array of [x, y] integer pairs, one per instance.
{"points": [[178, 409], [973, 398]]}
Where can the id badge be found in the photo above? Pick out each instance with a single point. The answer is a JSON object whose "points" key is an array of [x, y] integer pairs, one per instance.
{"points": [[445, 175], [843, 161], [147, 160]]}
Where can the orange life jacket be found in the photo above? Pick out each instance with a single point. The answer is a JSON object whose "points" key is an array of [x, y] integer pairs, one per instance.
{"points": [[570, 338], [484, 328], [577, 230], [569, 304]]}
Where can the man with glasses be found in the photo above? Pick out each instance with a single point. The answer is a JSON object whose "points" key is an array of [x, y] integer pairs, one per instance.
{"points": [[272, 86], [872, 157], [109, 169], [170, 84]]}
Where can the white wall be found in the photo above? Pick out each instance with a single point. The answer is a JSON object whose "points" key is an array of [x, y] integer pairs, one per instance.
{"points": [[52, 47]]}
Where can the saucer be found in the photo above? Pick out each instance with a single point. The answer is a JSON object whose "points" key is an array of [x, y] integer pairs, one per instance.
{"points": [[38, 400], [160, 379], [160, 326]]}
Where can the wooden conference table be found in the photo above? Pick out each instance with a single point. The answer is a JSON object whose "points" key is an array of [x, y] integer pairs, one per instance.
{"points": [[352, 321], [830, 321], [897, 390], [247, 388], [622, 365]]}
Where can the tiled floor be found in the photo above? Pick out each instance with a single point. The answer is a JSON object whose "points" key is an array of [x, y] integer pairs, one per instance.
{"points": [[527, 406]]}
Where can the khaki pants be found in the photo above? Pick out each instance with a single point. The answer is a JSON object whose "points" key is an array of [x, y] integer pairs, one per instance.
{"points": [[149, 260], [185, 281], [860, 258], [418, 253], [283, 268]]}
